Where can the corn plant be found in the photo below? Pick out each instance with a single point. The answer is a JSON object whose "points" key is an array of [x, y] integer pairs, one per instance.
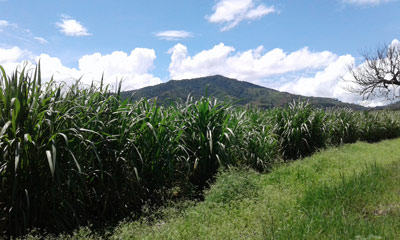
{"points": [[205, 138], [254, 142], [72, 155], [375, 126], [300, 130], [341, 126], [35, 151]]}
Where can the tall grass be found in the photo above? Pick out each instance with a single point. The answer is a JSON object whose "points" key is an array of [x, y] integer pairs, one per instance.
{"points": [[205, 137], [341, 126], [76, 155], [300, 128], [375, 126], [255, 142]]}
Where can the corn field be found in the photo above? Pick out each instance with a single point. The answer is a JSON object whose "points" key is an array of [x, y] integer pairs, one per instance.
{"points": [[72, 155]]}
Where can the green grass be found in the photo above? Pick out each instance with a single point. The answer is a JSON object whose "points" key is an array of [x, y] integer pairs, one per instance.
{"points": [[350, 192]]}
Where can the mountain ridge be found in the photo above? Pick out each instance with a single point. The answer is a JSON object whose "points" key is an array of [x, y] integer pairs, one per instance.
{"points": [[224, 88]]}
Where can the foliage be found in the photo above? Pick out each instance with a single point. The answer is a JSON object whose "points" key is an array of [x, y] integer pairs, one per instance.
{"points": [[349, 192], [76, 155], [300, 129], [341, 126], [254, 143], [374, 126]]}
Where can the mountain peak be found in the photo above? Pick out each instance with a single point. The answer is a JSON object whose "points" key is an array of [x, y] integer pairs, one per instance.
{"points": [[224, 88]]}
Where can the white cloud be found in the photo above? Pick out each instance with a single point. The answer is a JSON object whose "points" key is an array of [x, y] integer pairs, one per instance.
{"points": [[13, 55], [322, 71], [53, 67], [251, 65], [3, 23], [11, 58], [366, 2], [16, 32], [395, 43], [40, 40], [231, 12], [72, 27], [327, 82], [173, 35], [134, 68]]}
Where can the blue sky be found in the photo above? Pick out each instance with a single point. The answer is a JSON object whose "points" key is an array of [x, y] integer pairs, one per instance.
{"points": [[295, 46]]}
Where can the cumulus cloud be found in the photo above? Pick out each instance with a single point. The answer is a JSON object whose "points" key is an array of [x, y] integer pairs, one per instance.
{"points": [[53, 67], [300, 72], [230, 13], [133, 69], [366, 2], [173, 35], [251, 65], [327, 82], [12, 57], [72, 27]]}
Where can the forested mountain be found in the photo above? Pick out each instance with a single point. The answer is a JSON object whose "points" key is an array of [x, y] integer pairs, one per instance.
{"points": [[223, 88]]}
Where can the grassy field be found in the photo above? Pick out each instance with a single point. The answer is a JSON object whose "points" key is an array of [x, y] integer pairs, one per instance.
{"points": [[350, 192]]}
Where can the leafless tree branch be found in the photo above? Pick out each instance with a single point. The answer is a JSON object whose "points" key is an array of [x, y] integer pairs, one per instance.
{"points": [[379, 74]]}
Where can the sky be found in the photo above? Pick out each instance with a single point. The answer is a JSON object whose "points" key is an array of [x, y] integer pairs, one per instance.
{"points": [[302, 46]]}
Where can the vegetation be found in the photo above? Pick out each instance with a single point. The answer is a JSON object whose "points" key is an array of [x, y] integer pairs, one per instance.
{"points": [[349, 192], [239, 92], [71, 156], [345, 193]]}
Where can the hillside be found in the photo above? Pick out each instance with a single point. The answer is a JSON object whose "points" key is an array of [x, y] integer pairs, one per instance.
{"points": [[240, 92], [393, 106]]}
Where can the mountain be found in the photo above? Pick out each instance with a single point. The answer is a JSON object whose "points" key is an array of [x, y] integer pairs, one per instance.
{"points": [[223, 88], [392, 106]]}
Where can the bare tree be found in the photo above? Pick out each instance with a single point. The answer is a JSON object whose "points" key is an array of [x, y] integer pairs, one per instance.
{"points": [[379, 74]]}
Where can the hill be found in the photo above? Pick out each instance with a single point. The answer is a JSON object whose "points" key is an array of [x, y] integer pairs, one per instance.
{"points": [[392, 106], [223, 88]]}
